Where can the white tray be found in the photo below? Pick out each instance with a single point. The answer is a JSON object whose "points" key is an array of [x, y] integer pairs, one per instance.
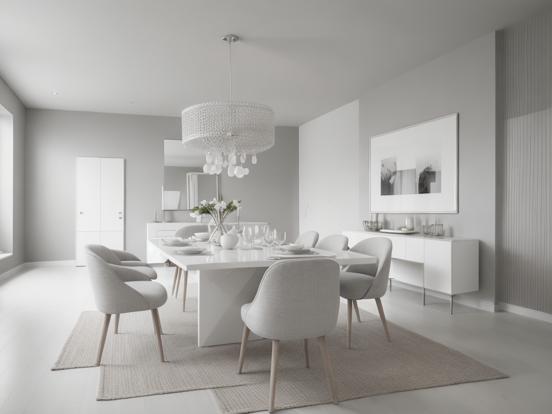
{"points": [[398, 231]]}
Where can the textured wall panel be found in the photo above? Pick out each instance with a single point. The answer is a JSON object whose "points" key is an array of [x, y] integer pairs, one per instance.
{"points": [[524, 172]]}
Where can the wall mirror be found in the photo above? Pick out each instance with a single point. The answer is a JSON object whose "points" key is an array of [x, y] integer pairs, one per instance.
{"points": [[184, 182]]}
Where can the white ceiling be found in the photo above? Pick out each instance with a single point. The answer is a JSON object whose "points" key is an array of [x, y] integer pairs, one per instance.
{"points": [[302, 57]]}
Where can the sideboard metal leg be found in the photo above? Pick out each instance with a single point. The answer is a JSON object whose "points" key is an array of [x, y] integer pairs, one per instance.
{"points": [[390, 284], [424, 297], [451, 303]]}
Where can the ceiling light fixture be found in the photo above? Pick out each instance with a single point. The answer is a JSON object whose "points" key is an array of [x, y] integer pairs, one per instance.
{"points": [[227, 131]]}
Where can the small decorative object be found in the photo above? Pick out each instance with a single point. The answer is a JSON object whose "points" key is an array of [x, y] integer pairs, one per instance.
{"points": [[230, 239], [218, 211], [439, 230], [409, 223], [373, 224]]}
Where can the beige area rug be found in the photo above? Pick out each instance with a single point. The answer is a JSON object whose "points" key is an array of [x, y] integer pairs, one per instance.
{"points": [[131, 367]]}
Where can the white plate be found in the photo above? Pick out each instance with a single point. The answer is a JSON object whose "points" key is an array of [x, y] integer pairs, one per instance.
{"points": [[296, 251], [189, 251], [175, 242]]}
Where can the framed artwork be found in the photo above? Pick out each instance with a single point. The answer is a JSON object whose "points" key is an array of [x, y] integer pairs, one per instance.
{"points": [[415, 169]]}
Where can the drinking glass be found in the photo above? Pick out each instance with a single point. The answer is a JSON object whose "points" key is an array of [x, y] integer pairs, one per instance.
{"points": [[268, 237], [249, 235], [279, 237]]}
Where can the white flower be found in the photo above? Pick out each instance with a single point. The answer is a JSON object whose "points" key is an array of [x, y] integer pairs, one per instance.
{"points": [[203, 202], [194, 214], [236, 202]]}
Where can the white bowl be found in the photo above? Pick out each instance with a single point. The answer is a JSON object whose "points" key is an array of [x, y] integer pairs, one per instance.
{"points": [[201, 236], [294, 247]]}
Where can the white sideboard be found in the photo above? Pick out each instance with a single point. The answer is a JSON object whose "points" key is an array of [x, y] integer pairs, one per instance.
{"points": [[445, 265], [160, 230]]}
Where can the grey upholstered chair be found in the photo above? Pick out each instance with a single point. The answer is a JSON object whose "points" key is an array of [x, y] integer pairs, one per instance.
{"points": [[308, 238], [184, 233], [123, 289], [123, 259], [367, 281], [296, 299], [334, 243]]}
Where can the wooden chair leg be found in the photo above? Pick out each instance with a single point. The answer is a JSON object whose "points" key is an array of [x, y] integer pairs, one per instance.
{"points": [[105, 327], [245, 336], [174, 280], [306, 345], [117, 316], [349, 321], [273, 368], [185, 290], [382, 317], [178, 282], [355, 304], [328, 368], [157, 328]]}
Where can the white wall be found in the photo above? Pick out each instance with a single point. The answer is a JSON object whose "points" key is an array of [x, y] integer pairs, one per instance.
{"points": [[334, 150], [328, 171], [13, 105]]}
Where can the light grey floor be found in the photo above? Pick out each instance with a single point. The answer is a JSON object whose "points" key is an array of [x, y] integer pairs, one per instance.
{"points": [[39, 307]]}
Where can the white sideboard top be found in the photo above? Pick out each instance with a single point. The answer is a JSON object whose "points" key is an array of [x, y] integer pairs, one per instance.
{"points": [[406, 236]]}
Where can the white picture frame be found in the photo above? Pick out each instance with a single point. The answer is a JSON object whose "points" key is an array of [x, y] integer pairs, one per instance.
{"points": [[415, 169]]}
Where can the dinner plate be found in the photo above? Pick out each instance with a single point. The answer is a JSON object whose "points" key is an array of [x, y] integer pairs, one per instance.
{"points": [[296, 251], [175, 242], [189, 251]]}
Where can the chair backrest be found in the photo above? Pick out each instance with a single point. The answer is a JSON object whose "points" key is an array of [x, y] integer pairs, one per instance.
{"points": [[188, 231], [105, 253], [334, 243], [308, 238], [111, 294], [297, 298], [381, 248]]}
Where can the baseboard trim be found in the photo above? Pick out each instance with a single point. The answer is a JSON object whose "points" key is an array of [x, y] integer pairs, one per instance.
{"points": [[12, 272], [31, 265], [527, 312]]}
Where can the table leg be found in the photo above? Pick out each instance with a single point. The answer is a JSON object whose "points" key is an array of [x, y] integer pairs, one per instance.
{"points": [[221, 294]]}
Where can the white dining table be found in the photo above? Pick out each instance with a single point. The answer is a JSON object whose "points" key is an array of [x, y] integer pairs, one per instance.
{"points": [[227, 279]]}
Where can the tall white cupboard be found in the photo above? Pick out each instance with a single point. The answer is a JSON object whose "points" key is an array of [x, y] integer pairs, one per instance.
{"points": [[100, 204]]}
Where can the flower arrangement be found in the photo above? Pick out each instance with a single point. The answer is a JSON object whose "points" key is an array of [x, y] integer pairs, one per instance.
{"points": [[218, 210]]}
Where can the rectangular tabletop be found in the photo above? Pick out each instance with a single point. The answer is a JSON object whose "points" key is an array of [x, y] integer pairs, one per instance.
{"points": [[217, 258]]}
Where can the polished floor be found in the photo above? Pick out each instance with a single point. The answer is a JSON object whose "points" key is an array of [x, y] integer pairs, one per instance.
{"points": [[39, 306]]}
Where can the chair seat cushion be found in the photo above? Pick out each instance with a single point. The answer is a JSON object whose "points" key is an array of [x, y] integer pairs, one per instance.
{"points": [[244, 310], [144, 269], [354, 285], [154, 293]]}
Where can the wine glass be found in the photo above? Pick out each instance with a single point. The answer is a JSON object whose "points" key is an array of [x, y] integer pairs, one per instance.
{"points": [[279, 237], [268, 237], [249, 235]]}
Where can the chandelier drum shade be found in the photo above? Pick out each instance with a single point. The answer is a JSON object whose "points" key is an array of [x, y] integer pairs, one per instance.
{"points": [[228, 132]]}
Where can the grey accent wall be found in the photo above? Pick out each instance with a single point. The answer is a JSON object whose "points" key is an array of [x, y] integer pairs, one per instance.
{"points": [[271, 191], [461, 81], [55, 138], [11, 102], [524, 161]]}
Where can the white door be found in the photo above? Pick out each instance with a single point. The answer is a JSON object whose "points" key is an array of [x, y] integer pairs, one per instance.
{"points": [[113, 239], [84, 238], [88, 194], [112, 194]]}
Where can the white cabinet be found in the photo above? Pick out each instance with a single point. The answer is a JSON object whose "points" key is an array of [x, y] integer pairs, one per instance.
{"points": [[100, 203], [444, 265]]}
